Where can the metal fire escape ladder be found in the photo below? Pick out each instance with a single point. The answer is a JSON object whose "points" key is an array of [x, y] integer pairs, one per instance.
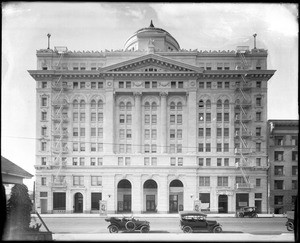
{"points": [[58, 120]]}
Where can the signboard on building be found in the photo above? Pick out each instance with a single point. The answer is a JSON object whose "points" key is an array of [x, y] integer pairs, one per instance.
{"points": [[103, 207], [197, 205]]}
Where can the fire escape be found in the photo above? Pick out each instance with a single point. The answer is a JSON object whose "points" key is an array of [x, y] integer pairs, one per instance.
{"points": [[243, 134], [60, 121]]}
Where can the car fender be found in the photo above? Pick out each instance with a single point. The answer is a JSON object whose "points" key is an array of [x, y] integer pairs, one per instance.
{"points": [[112, 225]]}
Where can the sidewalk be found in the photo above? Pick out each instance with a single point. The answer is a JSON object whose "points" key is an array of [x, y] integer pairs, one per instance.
{"points": [[82, 215]]}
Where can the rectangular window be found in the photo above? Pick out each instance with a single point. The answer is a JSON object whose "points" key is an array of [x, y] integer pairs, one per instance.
{"points": [[200, 132], [93, 85], [179, 148], [59, 201], [208, 161], [258, 84], [226, 117], [120, 161], [82, 147], [172, 133], [128, 84], [75, 146], [208, 84], [121, 85], [294, 155], [128, 133], [93, 161], [226, 84], [179, 134], [172, 161], [100, 132], [258, 195], [219, 132], [279, 141], [207, 147], [226, 147], [220, 84], [294, 141], [127, 161], [154, 161], [208, 117], [44, 131], [75, 85], [226, 132], [81, 161], [173, 85], [95, 198], [43, 146], [122, 119], [179, 119], [258, 116], [278, 184], [96, 180], [201, 117], [172, 148], [100, 117], [82, 85], [154, 119], [43, 181], [294, 170], [278, 200], [100, 85], [278, 170], [258, 101], [128, 119], [278, 155], [180, 161], [200, 161], [75, 161], [219, 161], [44, 85], [93, 147], [93, 117], [204, 181], [258, 131], [201, 85], [172, 119], [200, 147], [82, 117], [219, 117], [147, 84], [78, 181], [222, 181], [100, 147], [294, 184], [258, 182], [180, 84], [208, 132], [82, 131], [44, 115], [258, 147], [146, 161], [93, 131], [147, 134], [258, 161], [43, 161], [219, 147], [147, 148], [226, 162], [154, 84], [100, 161]]}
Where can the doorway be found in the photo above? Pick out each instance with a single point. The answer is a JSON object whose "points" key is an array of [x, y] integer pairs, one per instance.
{"points": [[150, 195], [78, 207], [223, 204], [150, 203], [43, 205], [124, 196], [258, 206], [176, 196]]}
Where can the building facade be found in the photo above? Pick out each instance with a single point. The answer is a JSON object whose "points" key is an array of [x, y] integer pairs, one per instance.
{"points": [[283, 159], [151, 128]]}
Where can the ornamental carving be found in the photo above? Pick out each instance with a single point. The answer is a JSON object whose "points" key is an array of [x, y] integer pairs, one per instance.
{"points": [[164, 83], [138, 84]]}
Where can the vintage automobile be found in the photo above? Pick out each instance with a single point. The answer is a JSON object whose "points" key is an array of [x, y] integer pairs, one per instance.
{"points": [[290, 223], [247, 212], [193, 221], [127, 224]]}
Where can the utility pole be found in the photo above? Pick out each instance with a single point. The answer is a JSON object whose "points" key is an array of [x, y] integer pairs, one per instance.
{"points": [[254, 40], [48, 40]]}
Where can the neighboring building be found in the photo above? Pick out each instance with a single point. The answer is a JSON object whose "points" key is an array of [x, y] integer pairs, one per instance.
{"points": [[283, 160], [151, 128]]}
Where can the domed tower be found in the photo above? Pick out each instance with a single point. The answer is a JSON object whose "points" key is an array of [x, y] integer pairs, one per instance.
{"points": [[151, 39]]}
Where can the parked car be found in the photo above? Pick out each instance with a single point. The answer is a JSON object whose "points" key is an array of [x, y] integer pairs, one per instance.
{"points": [[192, 221], [290, 224], [127, 224], [247, 212]]}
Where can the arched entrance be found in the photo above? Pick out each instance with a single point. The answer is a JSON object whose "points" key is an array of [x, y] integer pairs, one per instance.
{"points": [[124, 196], [150, 196], [78, 203], [175, 196], [223, 204]]}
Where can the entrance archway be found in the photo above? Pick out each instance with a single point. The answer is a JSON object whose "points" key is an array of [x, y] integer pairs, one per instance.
{"points": [[78, 203], [223, 204], [150, 196], [124, 196], [176, 196]]}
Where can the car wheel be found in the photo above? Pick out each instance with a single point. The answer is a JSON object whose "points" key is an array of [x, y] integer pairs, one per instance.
{"points": [[145, 229], [290, 226], [113, 229], [187, 229], [130, 225], [217, 229], [241, 215]]}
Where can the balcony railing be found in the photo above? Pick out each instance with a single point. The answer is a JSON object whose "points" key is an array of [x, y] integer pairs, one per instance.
{"points": [[59, 86], [243, 151], [243, 118], [246, 186]]}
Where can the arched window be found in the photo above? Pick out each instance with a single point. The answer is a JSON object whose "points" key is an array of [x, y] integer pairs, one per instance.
{"points": [[172, 106], [147, 106], [179, 106], [208, 104], [82, 104], [100, 104], [201, 104], [153, 106], [122, 106], [219, 104], [75, 104], [93, 104], [226, 104], [128, 106]]}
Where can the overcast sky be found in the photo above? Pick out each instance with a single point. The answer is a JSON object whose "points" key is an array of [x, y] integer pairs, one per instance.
{"points": [[99, 26]]}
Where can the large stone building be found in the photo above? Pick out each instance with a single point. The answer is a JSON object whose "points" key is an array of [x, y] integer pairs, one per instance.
{"points": [[283, 160], [151, 128]]}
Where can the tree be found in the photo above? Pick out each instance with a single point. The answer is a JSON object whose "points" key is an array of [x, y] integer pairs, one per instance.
{"points": [[19, 208]]}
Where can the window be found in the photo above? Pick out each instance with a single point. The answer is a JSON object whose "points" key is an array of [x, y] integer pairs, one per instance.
{"points": [[153, 161], [219, 117], [147, 148], [222, 181], [100, 132], [82, 147], [220, 84], [201, 117], [172, 119], [172, 106], [59, 201], [172, 148], [258, 147], [82, 104], [207, 147], [200, 161], [219, 104], [219, 132], [179, 134], [258, 182], [44, 115], [173, 85], [44, 131], [208, 161], [43, 146], [82, 117], [278, 155], [180, 84], [226, 132], [179, 148], [154, 119], [258, 101], [100, 85], [44, 101], [121, 85], [278, 184], [146, 161], [278, 170], [258, 116], [208, 84], [44, 85], [122, 119], [43, 181], [78, 181], [82, 131], [95, 198], [258, 84], [219, 161], [96, 180], [128, 84], [82, 85], [180, 161], [120, 161], [219, 147], [93, 147], [179, 119], [81, 161], [258, 195], [200, 147], [226, 147], [172, 161], [294, 170], [75, 104], [172, 133], [93, 161], [128, 133], [208, 117], [294, 155], [75, 161], [294, 184], [154, 84], [201, 85], [200, 132], [147, 134], [201, 103], [226, 117], [208, 104], [127, 161], [93, 85], [258, 161], [278, 200], [208, 132], [153, 148], [294, 141], [226, 83], [43, 161], [279, 141], [226, 162], [75, 131], [204, 181], [75, 146], [258, 131]]}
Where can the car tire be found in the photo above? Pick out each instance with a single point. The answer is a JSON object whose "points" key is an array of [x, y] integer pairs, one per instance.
{"points": [[290, 226], [187, 229], [113, 229], [145, 229], [241, 215], [217, 229], [130, 226]]}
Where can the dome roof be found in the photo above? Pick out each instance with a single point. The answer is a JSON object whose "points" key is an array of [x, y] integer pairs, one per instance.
{"points": [[161, 39]]}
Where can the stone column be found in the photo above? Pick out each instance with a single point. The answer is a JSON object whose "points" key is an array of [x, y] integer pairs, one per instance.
{"points": [[163, 113], [137, 123], [192, 122], [108, 123], [163, 195], [136, 195]]}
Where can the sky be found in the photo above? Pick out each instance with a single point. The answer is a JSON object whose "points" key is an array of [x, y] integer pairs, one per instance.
{"points": [[96, 26]]}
